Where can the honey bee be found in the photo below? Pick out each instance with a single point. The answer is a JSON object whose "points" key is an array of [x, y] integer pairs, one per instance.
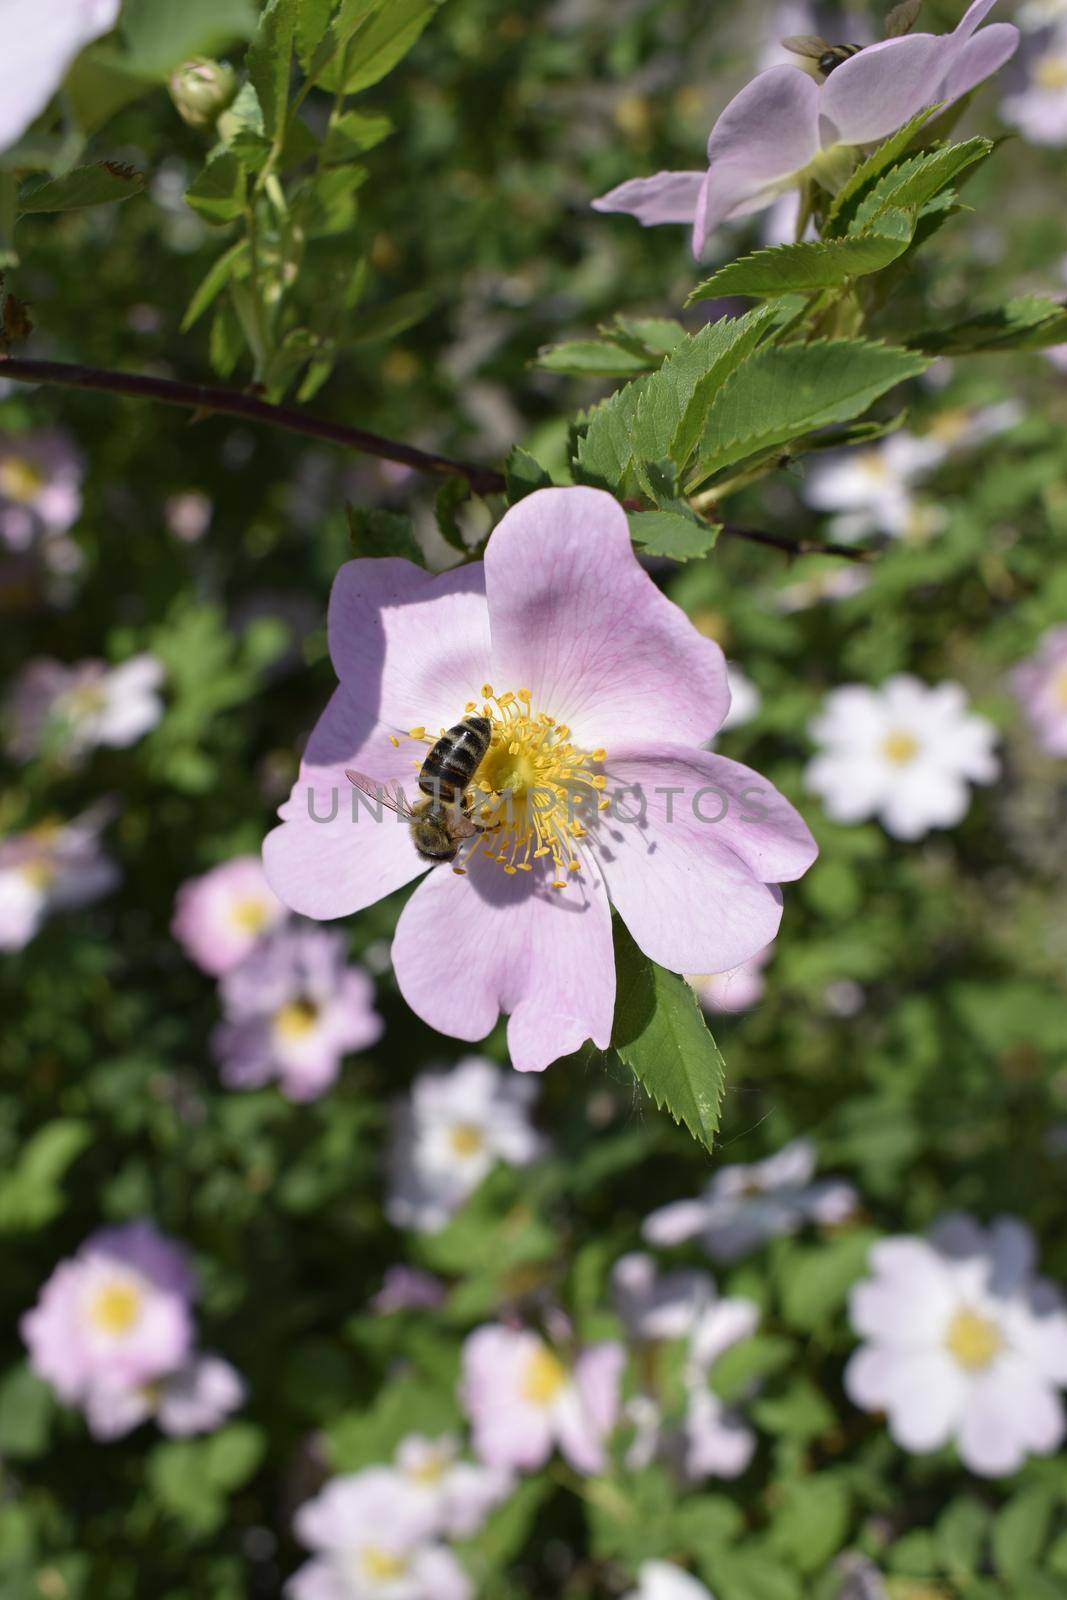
{"points": [[440, 820], [828, 57]]}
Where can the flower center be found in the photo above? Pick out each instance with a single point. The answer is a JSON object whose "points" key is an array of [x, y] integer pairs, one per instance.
{"points": [[250, 915], [1059, 688], [874, 465], [543, 1378], [950, 426], [115, 1308], [973, 1340], [381, 1565], [295, 1019], [466, 1138], [1051, 72], [20, 479], [84, 701], [430, 1470], [900, 747]]}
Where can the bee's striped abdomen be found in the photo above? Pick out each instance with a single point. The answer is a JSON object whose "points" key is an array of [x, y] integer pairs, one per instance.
{"points": [[455, 758], [835, 55]]}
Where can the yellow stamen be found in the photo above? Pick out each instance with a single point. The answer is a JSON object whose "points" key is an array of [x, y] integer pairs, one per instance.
{"points": [[1051, 72], [20, 479], [900, 747], [295, 1020], [543, 1378], [973, 1339], [115, 1308], [381, 1565], [249, 915], [1059, 688]]}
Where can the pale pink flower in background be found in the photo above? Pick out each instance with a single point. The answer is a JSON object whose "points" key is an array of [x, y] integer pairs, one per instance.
{"points": [[195, 1398], [407, 1288], [965, 1344], [67, 711], [744, 1206], [373, 1539], [118, 1312], [1040, 685], [56, 866], [459, 1494], [870, 489], [786, 127], [220, 917], [662, 1580], [292, 1011], [449, 1133], [733, 991], [188, 515], [40, 482], [821, 583], [1034, 15], [713, 1440], [745, 698], [40, 42], [579, 663], [905, 753], [1039, 110], [523, 1400]]}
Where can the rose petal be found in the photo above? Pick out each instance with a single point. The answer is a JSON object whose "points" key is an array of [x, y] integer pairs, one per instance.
{"points": [[874, 93], [979, 59], [40, 42], [333, 867], [467, 948], [663, 197], [577, 622], [411, 647]]}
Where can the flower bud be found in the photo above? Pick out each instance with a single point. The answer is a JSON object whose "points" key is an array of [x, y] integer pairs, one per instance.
{"points": [[201, 89]]}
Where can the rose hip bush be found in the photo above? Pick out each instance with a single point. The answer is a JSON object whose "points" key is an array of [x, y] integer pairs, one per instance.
{"points": [[659, 1196]]}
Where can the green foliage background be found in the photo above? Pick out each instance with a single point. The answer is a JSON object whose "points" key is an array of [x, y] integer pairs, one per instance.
{"points": [[941, 1091]]}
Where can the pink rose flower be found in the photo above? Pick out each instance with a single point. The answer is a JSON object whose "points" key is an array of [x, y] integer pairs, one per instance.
{"points": [[1040, 685], [594, 790], [196, 1398], [523, 1401], [221, 916], [787, 126], [40, 482], [117, 1313]]}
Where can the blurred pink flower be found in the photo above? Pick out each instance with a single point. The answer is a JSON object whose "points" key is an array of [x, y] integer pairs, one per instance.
{"points": [[221, 916], [56, 866], [522, 1400], [40, 481], [785, 126], [1040, 684], [374, 1540], [407, 1288], [965, 1344], [67, 711], [458, 1494], [743, 1206], [292, 1010], [196, 1398], [188, 515], [662, 1580], [737, 990], [117, 1313], [595, 665], [40, 42]]}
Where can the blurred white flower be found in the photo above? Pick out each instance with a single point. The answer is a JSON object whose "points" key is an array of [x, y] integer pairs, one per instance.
{"points": [[449, 1134], [1033, 15], [188, 515], [40, 42], [745, 698], [743, 1206], [736, 990], [838, 581], [965, 1344], [662, 1580], [458, 1494], [905, 753], [68, 711], [1039, 111], [56, 866]]}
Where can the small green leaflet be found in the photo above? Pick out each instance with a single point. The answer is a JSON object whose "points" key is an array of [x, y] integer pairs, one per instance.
{"points": [[1027, 323], [218, 192], [268, 61], [812, 265], [82, 186], [524, 474], [31, 1192], [606, 449], [594, 358], [672, 534], [233, 263], [381, 42], [783, 391], [912, 183], [662, 1037], [373, 532], [867, 174]]}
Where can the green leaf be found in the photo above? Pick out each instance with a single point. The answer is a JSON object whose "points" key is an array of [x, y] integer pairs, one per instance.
{"points": [[382, 41], [193, 1478], [960, 1533], [751, 1573], [82, 186], [26, 1410], [816, 1278], [1026, 323], [268, 61], [672, 534], [662, 1037], [912, 183], [352, 134], [783, 391], [523, 475], [161, 34], [867, 174], [393, 317], [452, 494], [748, 1362], [595, 358], [30, 1191], [313, 18], [1021, 1530], [606, 449], [373, 532], [812, 265], [233, 263], [218, 193], [811, 1520], [368, 1436]]}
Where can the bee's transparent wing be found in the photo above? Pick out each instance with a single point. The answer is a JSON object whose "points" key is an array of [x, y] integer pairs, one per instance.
{"points": [[806, 44], [393, 797], [902, 18]]}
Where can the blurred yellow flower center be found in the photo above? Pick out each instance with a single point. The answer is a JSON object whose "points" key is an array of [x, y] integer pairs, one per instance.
{"points": [[874, 465], [115, 1308], [466, 1138], [381, 1565], [39, 874], [296, 1019], [249, 915], [950, 426], [1059, 688], [900, 747], [83, 701], [20, 479], [1052, 72], [431, 1470], [543, 1378], [973, 1339]]}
